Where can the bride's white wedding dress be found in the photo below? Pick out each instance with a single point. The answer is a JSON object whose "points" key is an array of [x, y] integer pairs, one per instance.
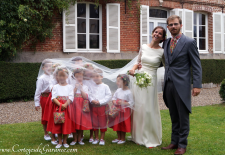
{"points": [[146, 119]]}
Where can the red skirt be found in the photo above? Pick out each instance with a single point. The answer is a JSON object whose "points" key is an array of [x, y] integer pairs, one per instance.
{"points": [[99, 118], [122, 122], [43, 101], [81, 120], [64, 128], [47, 108]]}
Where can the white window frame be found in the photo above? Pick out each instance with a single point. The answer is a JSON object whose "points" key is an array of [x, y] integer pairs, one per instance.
{"points": [[206, 29], [87, 50]]}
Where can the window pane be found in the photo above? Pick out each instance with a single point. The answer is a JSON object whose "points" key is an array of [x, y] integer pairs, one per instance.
{"points": [[201, 19], [94, 11], [195, 31], [195, 18], [164, 25], [157, 13], [202, 45], [201, 31], [82, 41], [151, 27], [81, 27], [81, 10], [94, 26], [94, 41]]}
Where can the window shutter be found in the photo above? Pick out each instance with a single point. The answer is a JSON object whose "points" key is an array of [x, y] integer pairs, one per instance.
{"points": [[144, 25], [188, 22], [113, 27], [223, 33], [217, 32], [178, 12], [70, 29]]}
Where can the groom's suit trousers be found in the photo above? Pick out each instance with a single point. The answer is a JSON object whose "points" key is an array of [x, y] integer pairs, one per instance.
{"points": [[179, 115]]}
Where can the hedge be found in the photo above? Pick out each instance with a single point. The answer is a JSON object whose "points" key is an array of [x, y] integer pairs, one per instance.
{"points": [[18, 80]]}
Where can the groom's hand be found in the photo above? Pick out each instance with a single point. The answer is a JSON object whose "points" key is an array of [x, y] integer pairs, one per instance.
{"points": [[196, 91]]}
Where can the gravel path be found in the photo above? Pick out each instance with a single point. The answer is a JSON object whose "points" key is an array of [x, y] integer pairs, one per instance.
{"points": [[21, 112]]}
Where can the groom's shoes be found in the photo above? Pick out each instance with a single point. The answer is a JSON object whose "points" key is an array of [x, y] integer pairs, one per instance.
{"points": [[170, 147], [180, 151]]}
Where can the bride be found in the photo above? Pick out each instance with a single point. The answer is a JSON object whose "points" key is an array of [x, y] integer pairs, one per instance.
{"points": [[146, 122]]}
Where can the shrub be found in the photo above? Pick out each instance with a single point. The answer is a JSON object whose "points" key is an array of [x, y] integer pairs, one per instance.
{"points": [[18, 80], [222, 90]]}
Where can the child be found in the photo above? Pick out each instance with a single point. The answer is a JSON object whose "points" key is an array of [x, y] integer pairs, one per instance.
{"points": [[99, 99], [62, 94], [42, 93], [122, 99], [48, 106], [88, 74], [82, 119], [77, 61]]}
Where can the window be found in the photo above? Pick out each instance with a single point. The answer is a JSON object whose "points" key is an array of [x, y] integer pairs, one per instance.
{"points": [[88, 26], [200, 31], [157, 17], [82, 28], [157, 13]]}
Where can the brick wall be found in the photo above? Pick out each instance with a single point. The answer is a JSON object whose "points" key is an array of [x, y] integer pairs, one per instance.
{"points": [[129, 25]]}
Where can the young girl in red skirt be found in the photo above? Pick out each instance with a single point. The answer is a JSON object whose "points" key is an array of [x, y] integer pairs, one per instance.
{"points": [[123, 100], [62, 95], [81, 118], [42, 93]]}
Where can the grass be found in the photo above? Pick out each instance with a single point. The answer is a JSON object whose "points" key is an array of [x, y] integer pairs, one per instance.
{"points": [[207, 136]]}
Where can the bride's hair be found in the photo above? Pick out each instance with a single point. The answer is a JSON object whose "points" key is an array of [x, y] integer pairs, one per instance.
{"points": [[164, 32]]}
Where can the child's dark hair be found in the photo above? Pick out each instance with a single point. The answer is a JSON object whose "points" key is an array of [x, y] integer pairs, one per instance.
{"points": [[125, 79], [46, 61], [77, 59]]}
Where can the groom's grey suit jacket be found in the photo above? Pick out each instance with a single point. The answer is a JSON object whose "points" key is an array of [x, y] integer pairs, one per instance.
{"points": [[177, 67]]}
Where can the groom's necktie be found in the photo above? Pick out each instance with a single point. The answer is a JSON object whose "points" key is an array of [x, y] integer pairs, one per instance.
{"points": [[173, 42]]}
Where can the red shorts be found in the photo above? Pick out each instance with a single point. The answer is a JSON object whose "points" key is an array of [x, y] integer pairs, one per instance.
{"points": [[99, 118]]}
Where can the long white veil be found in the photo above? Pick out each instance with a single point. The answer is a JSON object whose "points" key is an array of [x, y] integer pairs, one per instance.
{"points": [[115, 106]]}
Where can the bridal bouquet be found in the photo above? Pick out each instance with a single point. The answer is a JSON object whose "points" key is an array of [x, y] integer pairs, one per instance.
{"points": [[143, 79]]}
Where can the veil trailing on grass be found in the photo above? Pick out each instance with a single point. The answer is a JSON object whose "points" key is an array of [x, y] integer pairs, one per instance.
{"points": [[117, 104]]}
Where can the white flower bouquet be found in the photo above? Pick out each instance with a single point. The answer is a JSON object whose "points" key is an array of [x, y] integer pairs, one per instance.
{"points": [[143, 79]]}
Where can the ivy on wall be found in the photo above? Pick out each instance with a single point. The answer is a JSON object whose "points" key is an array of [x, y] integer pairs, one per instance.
{"points": [[30, 22]]}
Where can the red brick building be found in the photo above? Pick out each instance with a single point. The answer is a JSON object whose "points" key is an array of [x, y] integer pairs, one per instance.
{"points": [[115, 31]]}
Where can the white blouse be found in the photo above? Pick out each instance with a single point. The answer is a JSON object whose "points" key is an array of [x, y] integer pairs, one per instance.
{"points": [[53, 82], [124, 95], [102, 94], [66, 90], [42, 86], [85, 89]]}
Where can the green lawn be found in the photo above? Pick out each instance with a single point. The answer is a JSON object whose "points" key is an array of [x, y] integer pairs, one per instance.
{"points": [[207, 136]]}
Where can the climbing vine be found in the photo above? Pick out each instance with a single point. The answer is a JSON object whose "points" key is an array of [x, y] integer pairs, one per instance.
{"points": [[25, 22]]}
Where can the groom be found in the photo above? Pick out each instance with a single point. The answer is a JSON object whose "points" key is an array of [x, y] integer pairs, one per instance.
{"points": [[180, 54]]}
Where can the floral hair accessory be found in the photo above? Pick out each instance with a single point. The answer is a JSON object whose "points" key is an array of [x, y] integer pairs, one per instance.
{"points": [[125, 78], [55, 65], [88, 65]]}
